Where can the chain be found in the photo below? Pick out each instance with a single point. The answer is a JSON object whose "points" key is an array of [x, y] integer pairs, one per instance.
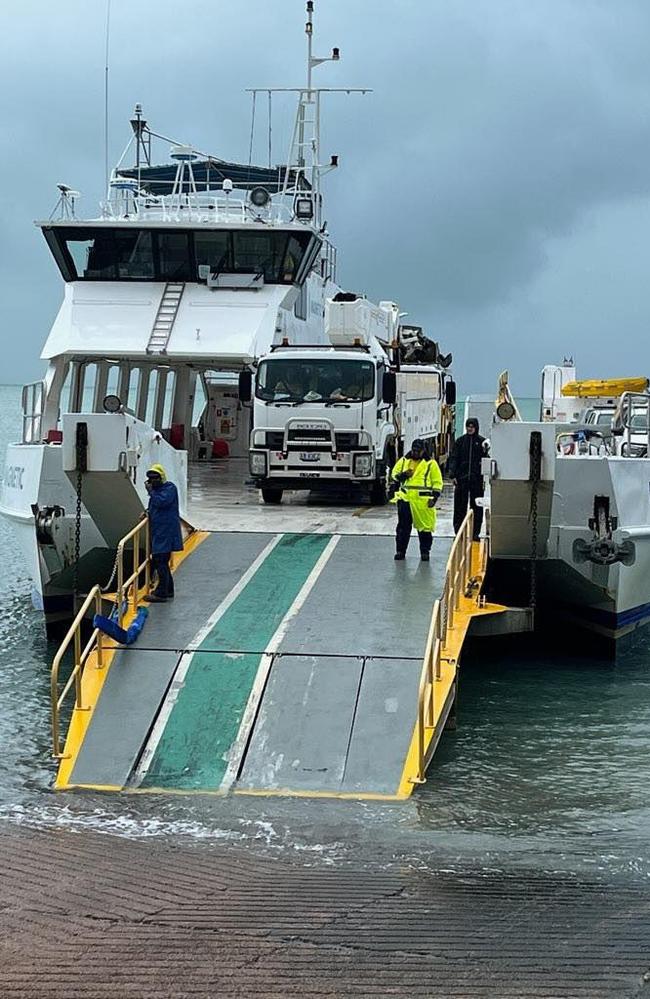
{"points": [[108, 585], [533, 550], [535, 474], [81, 453], [77, 541]]}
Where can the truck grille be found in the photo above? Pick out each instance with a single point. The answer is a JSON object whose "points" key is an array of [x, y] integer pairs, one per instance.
{"points": [[318, 440], [275, 440]]}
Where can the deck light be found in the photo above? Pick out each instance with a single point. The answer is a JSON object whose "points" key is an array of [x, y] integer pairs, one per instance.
{"points": [[259, 197], [304, 208], [505, 411], [112, 404]]}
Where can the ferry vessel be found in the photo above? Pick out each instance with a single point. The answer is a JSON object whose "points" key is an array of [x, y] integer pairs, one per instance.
{"points": [[192, 273], [570, 503]]}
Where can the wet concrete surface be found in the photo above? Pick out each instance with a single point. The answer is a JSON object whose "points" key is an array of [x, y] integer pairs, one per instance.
{"points": [[221, 498], [91, 915]]}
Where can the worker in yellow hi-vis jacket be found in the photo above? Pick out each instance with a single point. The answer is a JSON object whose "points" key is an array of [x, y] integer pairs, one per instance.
{"points": [[419, 484]]}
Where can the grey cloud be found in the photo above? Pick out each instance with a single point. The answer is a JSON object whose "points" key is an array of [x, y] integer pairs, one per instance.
{"points": [[496, 134]]}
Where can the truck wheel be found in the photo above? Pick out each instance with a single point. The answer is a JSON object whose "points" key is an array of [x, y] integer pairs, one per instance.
{"points": [[271, 495]]}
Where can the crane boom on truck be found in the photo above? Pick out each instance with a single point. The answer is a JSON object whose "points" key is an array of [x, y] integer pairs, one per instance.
{"points": [[343, 411]]}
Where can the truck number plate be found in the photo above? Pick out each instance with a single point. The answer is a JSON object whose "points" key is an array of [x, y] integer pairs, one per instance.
{"points": [[309, 456]]}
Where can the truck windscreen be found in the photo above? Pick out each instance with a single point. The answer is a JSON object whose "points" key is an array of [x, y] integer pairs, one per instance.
{"points": [[300, 380]]}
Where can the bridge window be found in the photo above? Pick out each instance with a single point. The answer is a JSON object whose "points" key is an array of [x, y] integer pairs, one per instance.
{"points": [[174, 252], [133, 254], [212, 249]]}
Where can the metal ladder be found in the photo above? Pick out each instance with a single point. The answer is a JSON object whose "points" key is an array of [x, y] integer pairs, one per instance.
{"points": [[165, 317]]}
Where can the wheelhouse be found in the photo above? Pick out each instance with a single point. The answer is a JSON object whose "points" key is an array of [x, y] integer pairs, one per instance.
{"points": [[138, 253]]}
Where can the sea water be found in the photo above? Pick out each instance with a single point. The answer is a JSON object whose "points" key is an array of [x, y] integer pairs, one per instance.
{"points": [[549, 767]]}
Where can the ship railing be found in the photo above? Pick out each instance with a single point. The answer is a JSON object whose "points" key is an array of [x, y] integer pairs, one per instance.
{"points": [[582, 442], [458, 574], [631, 425], [130, 589], [33, 397], [198, 207]]}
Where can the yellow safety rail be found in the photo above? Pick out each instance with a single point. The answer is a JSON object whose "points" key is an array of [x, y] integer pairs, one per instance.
{"points": [[80, 657], [458, 575], [95, 642], [142, 527]]}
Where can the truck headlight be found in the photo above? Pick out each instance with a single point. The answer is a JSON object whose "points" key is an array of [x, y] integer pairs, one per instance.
{"points": [[257, 463], [259, 438], [362, 465]]}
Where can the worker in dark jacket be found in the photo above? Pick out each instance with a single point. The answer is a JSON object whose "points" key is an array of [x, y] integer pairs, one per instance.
{"points": [[165, 527], [464, 470]]}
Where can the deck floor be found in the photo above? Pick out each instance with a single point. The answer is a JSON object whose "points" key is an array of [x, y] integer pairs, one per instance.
{"points": [[286, 662], [219, 499]]}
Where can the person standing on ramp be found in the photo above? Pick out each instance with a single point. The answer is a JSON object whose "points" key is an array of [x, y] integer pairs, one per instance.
{"points": [[465, 472], [165, 527], [419, 484]]}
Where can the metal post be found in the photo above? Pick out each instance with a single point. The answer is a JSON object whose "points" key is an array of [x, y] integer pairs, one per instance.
{"points": [[147, 552], [136, 568], [99, 639], [77, 667], [55, 711], [120, 582], [433, 666]]}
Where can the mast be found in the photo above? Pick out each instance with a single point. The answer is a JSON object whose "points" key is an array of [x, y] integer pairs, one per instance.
{"points": [[304, 170]]}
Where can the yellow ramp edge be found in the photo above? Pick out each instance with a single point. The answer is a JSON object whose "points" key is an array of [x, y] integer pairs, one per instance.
{"points": [[439, 696], [93, 679]]}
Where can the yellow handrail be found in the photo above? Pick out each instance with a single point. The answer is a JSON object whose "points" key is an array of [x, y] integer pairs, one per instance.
{"points": [[95, 642], [457, 576], [142, 527], [80, 657]]}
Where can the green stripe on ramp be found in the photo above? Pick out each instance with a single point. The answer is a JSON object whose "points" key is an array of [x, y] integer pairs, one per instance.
{"points": [[193, 751]]}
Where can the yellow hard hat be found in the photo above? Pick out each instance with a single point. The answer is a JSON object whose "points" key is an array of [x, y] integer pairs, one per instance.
{"points": [[158, 470]]}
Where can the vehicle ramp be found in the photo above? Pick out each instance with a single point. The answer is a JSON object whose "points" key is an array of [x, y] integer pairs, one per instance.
{"points": [[287, 664]]}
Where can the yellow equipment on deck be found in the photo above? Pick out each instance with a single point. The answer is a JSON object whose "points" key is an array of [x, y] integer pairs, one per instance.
{"points": [[604, 387]]}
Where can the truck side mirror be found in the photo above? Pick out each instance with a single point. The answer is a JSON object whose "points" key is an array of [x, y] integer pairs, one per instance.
{"points": [[389, 388], [245, 386], [450, 393]]}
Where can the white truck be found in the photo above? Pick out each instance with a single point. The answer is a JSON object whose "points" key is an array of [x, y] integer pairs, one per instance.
{"points": [[342, 413]]}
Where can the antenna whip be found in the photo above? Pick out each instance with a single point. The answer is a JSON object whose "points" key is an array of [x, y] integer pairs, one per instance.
{"points": [[107, 38]]}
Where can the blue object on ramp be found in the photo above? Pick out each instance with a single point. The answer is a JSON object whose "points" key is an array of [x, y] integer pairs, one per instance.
{"points": [[111, 628]]}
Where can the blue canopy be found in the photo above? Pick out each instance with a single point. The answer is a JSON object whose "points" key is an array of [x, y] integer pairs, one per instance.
{"points": [[209, 175]]}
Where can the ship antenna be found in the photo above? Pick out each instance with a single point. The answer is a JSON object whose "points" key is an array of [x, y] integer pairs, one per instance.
{"points": [[106, 53]]}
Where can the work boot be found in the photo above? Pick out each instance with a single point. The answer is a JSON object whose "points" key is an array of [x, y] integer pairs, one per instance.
{"points": [[399, 556], [424, 556], [153, 598]]}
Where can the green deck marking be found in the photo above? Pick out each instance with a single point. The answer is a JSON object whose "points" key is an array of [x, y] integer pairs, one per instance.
{"points": [[193, 751]]}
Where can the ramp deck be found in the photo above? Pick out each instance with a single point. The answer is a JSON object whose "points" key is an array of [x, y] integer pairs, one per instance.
{"points": [[287, 663]]}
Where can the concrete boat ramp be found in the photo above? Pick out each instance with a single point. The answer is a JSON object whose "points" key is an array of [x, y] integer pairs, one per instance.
{"points": [[287, 663]]}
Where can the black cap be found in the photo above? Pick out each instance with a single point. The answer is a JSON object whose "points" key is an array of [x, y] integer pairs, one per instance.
{"points": [[418, 444]]}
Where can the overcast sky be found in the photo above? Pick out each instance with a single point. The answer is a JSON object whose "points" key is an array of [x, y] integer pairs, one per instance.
{"points": [[496, 183]]}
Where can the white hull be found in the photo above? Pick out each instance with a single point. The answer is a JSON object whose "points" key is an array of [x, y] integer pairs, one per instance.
{"points": [[575, 580], [39, 500], [34, 482]]}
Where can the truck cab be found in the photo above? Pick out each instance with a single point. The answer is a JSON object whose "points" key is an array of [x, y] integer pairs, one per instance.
{"points": [[342, 413], [322, 416]]}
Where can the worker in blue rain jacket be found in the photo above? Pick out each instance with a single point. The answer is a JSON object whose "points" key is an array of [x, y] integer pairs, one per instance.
{"points": [[165, 528], [419, 484]]}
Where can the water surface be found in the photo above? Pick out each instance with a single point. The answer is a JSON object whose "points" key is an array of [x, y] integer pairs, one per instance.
{"points": [[549, 767]]}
